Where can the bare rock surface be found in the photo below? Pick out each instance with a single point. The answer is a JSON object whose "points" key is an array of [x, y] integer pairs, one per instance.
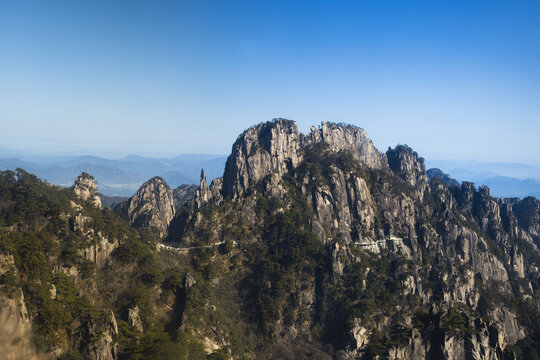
{"points": [[86, 188], [152, 207]]}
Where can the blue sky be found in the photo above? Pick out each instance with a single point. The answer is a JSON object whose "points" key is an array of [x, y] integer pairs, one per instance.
{"points": [[452, 79]]}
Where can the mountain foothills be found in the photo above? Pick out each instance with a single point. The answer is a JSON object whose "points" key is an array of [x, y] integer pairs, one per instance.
{"points": [[309, 246]]}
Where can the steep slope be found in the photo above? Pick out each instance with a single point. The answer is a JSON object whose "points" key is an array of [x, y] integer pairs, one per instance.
{"points": [[184, 193], [152, 207]]}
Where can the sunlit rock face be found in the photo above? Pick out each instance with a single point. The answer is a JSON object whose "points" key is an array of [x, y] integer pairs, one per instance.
{"points": [[277, 146], [152, 207], [15, 323], [268, 147], [406, 164], [184, 193], [341, 137], [86, 188]]}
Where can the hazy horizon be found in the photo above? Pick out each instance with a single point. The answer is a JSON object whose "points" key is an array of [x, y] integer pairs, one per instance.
{"points": [[122, 175], [118, 155], [451, 80]]}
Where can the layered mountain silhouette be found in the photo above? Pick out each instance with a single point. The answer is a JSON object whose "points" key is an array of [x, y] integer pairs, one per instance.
{"points": [[120, 177]]}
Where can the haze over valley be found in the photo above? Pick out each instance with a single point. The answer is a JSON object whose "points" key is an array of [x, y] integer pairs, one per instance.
{"points": [[123, 176]]}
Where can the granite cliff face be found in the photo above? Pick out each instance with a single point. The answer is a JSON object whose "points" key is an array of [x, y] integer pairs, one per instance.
{"points": [[184, 193], [406, 164], [258, 151], [276, 147], [341, 137], [86, 188], [527, 213], [16, 330], [50, 254], [99, 246], [152, 207]]}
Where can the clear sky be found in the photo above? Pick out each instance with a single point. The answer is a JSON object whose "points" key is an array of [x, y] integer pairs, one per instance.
{"points": [[452, 79]]}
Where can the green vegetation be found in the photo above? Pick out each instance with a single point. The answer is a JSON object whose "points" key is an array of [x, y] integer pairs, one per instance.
{"points": [[38, 228], [286, 252]]}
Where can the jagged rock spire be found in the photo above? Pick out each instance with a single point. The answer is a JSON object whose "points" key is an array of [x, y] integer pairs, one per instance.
{"points": [[202, 195], [203, 188]]}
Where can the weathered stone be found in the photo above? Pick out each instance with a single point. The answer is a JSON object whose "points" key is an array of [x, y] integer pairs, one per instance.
{"points": [[86, 188], [189, 281], [406, 164], [152, 207], [16, 329], [262, 149], [134, 318], [340, 137], [184, 193]]}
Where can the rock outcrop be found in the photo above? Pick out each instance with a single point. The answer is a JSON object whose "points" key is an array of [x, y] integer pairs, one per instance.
{"points": [[406, 164], [277, 147], [152, 207], [16, 326], [184, 193], [102, 344], [86, 188], [350, 138], [16, 330], [335, 249], [445, 178], [99, 247], [268, 147], [527, 212], [134, 318]]}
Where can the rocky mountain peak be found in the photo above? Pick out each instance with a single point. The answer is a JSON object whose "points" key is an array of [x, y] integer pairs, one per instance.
{"points": [[445, 178], [322, 218], [528, 214], [465, 196], [350, 138], [273, 146], [152, 206], [86, 188], [406, 164], [277, 147]]}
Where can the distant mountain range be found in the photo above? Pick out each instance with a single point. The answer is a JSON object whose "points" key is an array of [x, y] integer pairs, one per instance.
{"points": [[119, 177], [122, 177], [503, 179]]}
